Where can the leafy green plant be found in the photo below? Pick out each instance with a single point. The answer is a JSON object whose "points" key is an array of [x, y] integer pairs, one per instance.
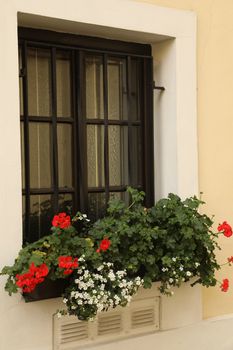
{"points": [[172, 243]]}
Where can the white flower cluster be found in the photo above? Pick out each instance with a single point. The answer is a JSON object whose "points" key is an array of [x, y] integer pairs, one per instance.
{"points": [[99, 291], [176, 271], [83, 217], [80, 217]]}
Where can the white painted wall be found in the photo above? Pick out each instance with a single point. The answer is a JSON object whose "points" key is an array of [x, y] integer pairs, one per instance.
{"points": [[176, 166]]}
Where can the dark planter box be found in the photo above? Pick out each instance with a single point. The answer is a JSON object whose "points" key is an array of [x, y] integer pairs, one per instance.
{"points": [[47, 290]]}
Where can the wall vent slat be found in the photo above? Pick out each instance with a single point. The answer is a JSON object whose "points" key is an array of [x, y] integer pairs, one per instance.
{"points": [[141, 317]]}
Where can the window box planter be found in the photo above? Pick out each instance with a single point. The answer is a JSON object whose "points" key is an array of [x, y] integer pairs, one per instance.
{"points": [[47, 290], [106, 262]]}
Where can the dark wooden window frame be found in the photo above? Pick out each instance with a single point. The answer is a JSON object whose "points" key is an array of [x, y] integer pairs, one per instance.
{"points": [[79, 46]]}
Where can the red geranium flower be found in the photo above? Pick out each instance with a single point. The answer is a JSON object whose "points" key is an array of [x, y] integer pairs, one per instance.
{"points": [[29, 280], [61, 220], [230, 259], [104, 245], [226, 229], [225, 285], [68, 263]]}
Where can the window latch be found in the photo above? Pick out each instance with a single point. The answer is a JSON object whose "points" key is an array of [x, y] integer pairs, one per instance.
{"points": [[155, 87]]}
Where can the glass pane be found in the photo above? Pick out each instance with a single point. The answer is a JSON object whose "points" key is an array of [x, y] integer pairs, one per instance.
{"points": [[96, 205], [40, 155], [117, 89], [95, 155], [118, 155], [124, 196], [136, 81], [65, 203], [64, 142], [136, 154], [39, 82], [94, 87], [22, 155], [63, 72], [40, 216]]}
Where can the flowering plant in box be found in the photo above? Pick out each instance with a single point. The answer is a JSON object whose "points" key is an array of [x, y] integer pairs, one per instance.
{"points": [[53, 257], [172, 242], [105, 262]]}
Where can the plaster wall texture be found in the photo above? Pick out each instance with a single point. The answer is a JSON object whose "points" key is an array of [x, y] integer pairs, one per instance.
{"points": [[215, 125], [31, 323]]}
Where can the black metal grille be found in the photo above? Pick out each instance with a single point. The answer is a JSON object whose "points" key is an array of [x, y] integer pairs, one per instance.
{"points": [[122, 83]]}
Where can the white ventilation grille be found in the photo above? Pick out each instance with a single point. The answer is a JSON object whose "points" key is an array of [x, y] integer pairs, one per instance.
{"points": [[74, 331], [109, 324], [142, 316]]}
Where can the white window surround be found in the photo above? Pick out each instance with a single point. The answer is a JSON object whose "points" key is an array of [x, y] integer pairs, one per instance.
{"points": [[172, 34]]}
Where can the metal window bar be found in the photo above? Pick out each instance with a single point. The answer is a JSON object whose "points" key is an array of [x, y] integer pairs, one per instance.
{"points": [[129, 100], [76, 196], [39, 44], [26, 144], [81, 131], [106, 150], [54, 131]]}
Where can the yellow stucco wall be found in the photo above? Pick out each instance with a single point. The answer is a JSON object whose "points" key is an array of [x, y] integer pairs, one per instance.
{"points": [[215, 125]]}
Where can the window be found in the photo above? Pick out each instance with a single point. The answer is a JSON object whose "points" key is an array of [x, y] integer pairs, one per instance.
{"points": [[86, 124]]}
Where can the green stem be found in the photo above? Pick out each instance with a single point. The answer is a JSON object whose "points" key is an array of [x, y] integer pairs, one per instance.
{"points": [[131, 204]]}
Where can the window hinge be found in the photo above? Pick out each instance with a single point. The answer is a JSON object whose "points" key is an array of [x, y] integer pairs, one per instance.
{"points": [[161, 88]]}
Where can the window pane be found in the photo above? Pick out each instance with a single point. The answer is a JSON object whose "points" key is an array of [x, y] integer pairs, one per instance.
{"points": [[96, 205], [95, 155], [94, 87], [63, 70], [118, 155], [41, 216], [64, 142], [117, 89], [136, 81], [40, 155], [136, 154], [65, 203], [124, 196], [22, 155], [39, 82]]}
